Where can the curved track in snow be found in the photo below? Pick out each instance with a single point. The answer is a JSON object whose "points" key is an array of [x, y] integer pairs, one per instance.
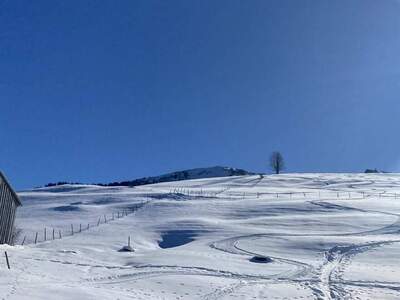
{"points": [[325, 287]]}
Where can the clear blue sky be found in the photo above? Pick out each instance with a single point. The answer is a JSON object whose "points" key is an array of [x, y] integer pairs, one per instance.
{"points": [[96, 91]]}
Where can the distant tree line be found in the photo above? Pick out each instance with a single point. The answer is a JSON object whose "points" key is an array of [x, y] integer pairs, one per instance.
{"points": [[60, 183], [175, 176]]}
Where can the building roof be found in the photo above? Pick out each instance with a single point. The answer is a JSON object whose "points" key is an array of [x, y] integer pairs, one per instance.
{"points": [[16, 198]]}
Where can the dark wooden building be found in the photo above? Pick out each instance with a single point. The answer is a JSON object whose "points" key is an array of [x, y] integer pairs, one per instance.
{"points": [[9, 202]]}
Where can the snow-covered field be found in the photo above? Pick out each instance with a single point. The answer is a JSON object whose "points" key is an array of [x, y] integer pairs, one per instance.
{"points": [[330, 236]]}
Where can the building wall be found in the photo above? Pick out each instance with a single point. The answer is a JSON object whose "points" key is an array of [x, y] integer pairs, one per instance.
{"points": [[8, 207]]}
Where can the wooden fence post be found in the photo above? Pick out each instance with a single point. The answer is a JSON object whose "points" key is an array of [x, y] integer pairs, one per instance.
{"points": [[53, 235], [36, 237], [23, 241], [59, 234], [44, 235], [72, 229], [8, 263]]}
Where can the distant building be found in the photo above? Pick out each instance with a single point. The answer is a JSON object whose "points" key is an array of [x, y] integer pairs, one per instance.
{"points": [[9, 202]]}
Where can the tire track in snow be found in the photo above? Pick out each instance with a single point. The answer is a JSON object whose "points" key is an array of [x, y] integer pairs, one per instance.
{"points": [[336, 255], [332, 289], [150, 271], [395, 286], [388, 229], [325, 289], [231, 246]]}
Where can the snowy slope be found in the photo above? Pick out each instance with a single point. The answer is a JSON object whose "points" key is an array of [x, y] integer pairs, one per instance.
{"points": [[330, 236], [197, 173]]}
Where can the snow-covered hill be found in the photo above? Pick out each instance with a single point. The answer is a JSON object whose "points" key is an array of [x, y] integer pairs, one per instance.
{"points": [[330, 236], [197, 173]]}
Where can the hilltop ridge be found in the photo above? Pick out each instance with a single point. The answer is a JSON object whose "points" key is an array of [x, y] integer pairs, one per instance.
{"points": [[196, 173]]}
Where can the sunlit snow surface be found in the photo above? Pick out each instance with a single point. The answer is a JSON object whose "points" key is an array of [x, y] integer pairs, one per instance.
{"points": [[330, 236]]}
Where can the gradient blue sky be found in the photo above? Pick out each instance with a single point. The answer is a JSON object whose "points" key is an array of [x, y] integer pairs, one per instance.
{"points": [[96, 91]]}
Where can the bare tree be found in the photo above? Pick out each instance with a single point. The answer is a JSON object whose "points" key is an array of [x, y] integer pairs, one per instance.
{"points": [[276, 162]]}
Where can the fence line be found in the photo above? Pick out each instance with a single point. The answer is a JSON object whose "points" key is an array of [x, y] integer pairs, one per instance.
{"points": [[72, 232], [320, 194]]}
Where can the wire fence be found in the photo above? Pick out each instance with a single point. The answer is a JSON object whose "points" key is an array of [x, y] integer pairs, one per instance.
{"points": [[51, 234], [323, 194]]}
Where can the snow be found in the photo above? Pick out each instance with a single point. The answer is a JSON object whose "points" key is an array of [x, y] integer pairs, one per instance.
{"points": [[330, 236]]}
